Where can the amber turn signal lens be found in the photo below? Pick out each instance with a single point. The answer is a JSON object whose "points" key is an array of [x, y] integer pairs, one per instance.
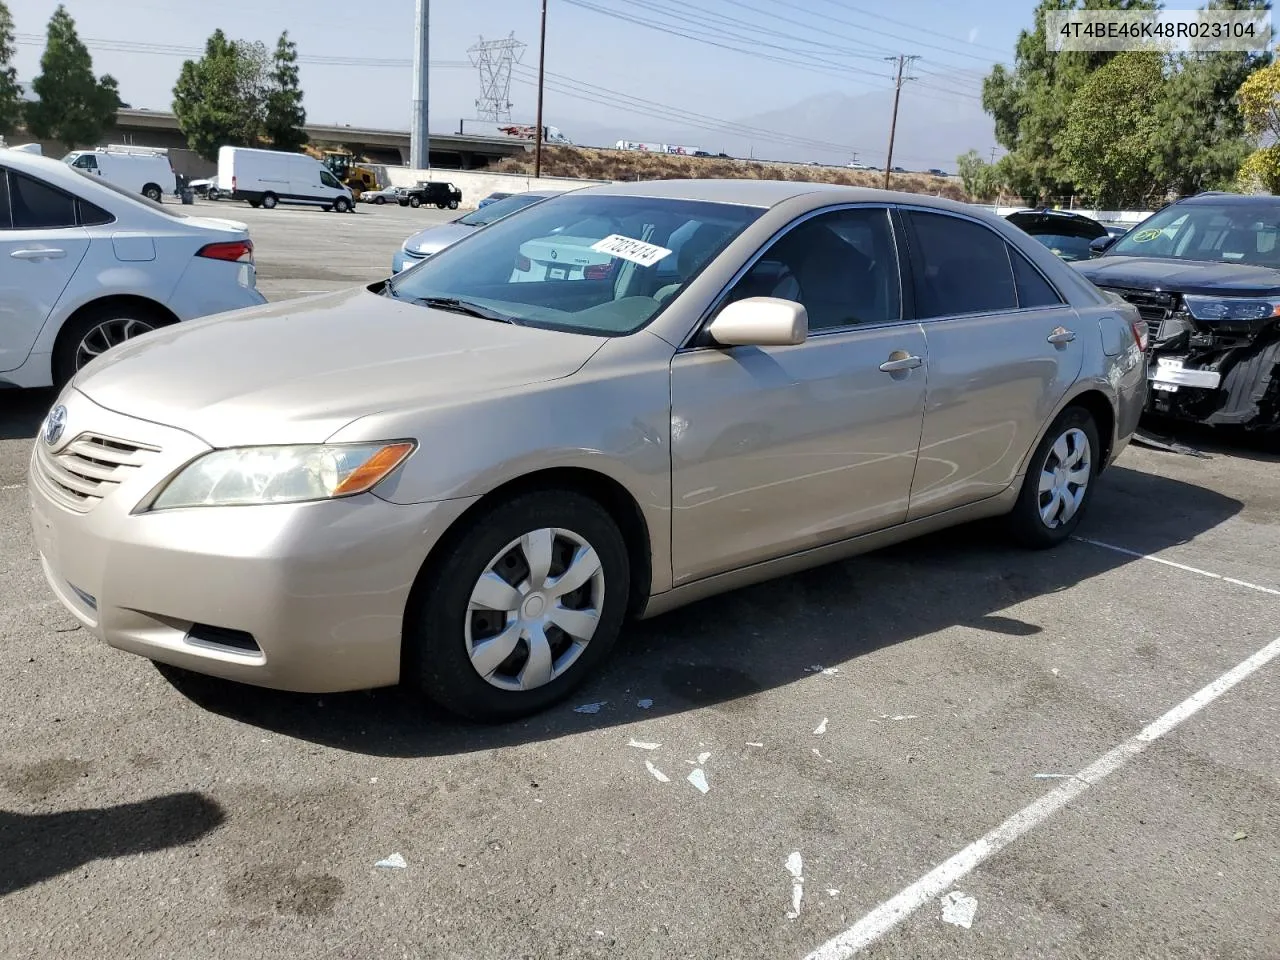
{"points": [[373, 470]]}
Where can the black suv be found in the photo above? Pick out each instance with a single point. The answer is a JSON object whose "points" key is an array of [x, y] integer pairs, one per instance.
{"points": [[1065, 233], [430, 191], [1204, 272]]}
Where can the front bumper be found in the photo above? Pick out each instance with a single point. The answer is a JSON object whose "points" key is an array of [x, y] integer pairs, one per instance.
{"points": [[403, 261], [320, 588]]}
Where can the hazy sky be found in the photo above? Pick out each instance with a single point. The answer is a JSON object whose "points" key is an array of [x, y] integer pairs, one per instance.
{"points": [[830, 47]]}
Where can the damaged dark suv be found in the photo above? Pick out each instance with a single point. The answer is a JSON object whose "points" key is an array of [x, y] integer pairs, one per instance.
{"points": [[1204, 272]]}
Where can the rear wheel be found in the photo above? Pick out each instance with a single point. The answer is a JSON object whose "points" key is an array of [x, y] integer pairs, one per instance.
{"points": [[269, 201], [152, 192], [97, 330], [342, 205], [526, 602], [212, 193], [1059, 481]]}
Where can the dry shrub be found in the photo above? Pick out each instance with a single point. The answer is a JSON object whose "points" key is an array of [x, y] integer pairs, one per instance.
{"points": [[592, 164]]}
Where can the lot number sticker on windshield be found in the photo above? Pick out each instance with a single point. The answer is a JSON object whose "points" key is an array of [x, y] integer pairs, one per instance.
{"points": [[637, 251], [1146, 236]]}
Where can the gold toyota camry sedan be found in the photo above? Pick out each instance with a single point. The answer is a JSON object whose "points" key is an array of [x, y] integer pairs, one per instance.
{"points": [[617, 401]]}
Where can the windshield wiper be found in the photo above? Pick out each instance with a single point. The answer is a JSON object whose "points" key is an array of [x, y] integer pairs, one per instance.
{"points": [[454, 305]]}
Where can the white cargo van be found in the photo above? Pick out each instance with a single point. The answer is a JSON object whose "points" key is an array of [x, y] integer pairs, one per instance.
{"points": [[137, 169], [265, 178]]}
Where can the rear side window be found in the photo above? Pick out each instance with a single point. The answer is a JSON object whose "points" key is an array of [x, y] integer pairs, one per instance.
{"points": [[5, 222], [958, 267], [92, 215], [1033, 289], [35, 205]]}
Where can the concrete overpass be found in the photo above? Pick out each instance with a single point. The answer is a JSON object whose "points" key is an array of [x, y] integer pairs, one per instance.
{"points": [[154, 128]]}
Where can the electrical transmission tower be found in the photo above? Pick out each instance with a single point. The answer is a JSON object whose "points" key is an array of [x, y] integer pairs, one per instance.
{"points": [[494, 58]]}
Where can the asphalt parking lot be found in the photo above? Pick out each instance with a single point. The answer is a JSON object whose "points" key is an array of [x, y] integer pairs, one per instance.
{"points": [[950, 730]]}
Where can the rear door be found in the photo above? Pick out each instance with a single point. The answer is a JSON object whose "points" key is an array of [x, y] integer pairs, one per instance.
{"points": [[1003, 351], [41, 246]]}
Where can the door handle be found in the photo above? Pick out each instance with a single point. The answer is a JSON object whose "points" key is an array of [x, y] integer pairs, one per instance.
{"points": [[1061, 335], [900, 360], [49, 253]]}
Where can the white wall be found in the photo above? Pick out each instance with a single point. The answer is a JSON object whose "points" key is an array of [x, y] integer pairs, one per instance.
{"points": [[476, 184]]}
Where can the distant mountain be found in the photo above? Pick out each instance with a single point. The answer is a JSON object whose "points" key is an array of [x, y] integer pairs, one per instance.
{"points": [[933, 128]]}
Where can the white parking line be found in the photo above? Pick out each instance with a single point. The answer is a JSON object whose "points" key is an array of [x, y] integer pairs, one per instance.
{"points": [[893, 911], [1180, 566]]}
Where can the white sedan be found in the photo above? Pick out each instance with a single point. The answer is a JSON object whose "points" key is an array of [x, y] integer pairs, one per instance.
{"points": [[85, 265]]}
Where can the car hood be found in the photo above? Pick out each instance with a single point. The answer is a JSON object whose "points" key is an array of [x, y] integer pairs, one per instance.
{"points": [[435, 239], [1182, 276], [299, 371]]}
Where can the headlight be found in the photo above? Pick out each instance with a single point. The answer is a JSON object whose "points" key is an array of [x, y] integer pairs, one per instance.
{"points": [[259, 475], [1231, 308]]}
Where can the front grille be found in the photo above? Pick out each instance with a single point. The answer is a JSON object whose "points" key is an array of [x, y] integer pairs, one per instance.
{"points": [[1153, 306], [89, 468]]}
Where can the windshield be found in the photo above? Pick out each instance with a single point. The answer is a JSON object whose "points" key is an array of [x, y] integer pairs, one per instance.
{"points": [[1227, 233], [499, 209], [595, 264]]}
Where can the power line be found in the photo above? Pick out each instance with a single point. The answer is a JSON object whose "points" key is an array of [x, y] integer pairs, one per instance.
{"points": [[911, 26]]}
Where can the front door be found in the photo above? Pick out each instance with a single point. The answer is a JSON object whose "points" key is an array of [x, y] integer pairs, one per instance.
{"points": [[1004, 348], [779, 449], [40, 248]]}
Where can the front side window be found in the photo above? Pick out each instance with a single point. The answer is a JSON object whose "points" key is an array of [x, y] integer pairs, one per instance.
{"points": [[1243, 231], [86, 161], [329, 180], [596, 264], [841, 266], [37, 206], [958, 266]]}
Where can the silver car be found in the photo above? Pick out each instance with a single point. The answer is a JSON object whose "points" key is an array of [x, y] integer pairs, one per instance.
{"points": [[432, 240], [469, 484]]}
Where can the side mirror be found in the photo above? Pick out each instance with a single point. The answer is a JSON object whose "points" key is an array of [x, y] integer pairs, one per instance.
{"points": [[1100, 245], [760, 322]]}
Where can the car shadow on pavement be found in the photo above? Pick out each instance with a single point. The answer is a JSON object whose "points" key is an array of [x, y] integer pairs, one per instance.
{"points": [[21, 412], [38, 847], [724, 652]]}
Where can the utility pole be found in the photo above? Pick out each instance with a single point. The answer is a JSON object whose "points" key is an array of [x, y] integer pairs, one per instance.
{"points": [[993, 154], [903, 60], [419, 135], [542, 63]]}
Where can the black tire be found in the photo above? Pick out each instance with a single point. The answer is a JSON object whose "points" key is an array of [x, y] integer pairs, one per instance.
{"points": [[436, 658], [379, 201], [403, 203], [269, 201], [255, 204], [67, 355], [1025, 522], [152, 192], [212, 194], [342, 205], [453, 204], [415, 202]]}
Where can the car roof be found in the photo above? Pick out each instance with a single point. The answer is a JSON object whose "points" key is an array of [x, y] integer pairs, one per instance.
{"points": [[1212, 196], [769, 193]]}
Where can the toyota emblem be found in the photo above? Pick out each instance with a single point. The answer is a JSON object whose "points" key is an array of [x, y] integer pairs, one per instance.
{"points": [[55, 424]]}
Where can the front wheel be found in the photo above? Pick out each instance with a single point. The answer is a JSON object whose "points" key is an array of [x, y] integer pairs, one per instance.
{"points": [[453, 204], [415, 202], [1059, 481], [342, 205], [379, 201], [522, 607]]}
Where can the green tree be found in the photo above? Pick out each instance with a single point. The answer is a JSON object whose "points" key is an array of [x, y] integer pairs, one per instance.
{"points": [[1030, 103], [285, 117], [73, 108], [1110, 145], [218, 99], [10, 91], [981, 179], [1259, 101]]}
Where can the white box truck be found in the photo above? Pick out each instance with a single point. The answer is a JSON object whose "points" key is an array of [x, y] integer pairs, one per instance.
{"points": [[264, 178], [141, 170]]}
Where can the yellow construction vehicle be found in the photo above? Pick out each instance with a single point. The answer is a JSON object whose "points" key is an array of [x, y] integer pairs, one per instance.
{"points": [[349, 171]]}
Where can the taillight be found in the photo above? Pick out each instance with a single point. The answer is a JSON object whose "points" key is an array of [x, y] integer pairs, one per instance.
{"points": [[1140, 334], [524, 264], [598, 271], [235, 251]]}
